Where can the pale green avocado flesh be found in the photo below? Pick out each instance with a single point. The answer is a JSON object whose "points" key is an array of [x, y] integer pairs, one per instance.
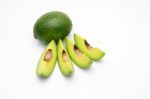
{"points": [[64, 61], [93, 53], [47, 60], [79, 58]]}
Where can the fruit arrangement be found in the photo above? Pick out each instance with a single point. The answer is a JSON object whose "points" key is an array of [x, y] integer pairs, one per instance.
{"points": [[51, 29]]}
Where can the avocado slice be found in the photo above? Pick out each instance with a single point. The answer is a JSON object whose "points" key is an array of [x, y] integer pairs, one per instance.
{"points": [[93, 53], [64, 61], [47, 60], [79, 58]]}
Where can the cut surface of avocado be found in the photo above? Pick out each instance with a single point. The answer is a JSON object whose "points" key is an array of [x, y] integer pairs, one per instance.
{"points": [[47, 60], [93, 53], [79, 58], [64, 61]]}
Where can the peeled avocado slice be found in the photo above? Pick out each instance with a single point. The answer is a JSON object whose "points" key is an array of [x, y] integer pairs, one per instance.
{"points": [[64, 61], [92, 53], [47, 60], [79, 58]]}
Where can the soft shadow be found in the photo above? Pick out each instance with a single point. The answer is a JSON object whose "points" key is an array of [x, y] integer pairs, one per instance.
{"points": [[90, 69], [38, 43], [41, 44], [42, 79], [69, 77], [100, 61]]}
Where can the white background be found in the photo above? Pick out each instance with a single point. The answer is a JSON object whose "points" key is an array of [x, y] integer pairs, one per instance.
{"points": [[120, 27]]}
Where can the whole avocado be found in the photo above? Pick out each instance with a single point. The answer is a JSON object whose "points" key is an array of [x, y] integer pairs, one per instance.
{"points": [[53, 25]]}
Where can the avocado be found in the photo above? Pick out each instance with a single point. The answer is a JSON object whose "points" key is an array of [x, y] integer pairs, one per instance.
{"points": [[64, 61], [79, 58], [93, 53], [53, 25], [47, 60]]}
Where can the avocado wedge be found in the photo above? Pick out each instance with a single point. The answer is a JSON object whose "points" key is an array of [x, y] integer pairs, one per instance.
{"points": [[93, 53], [64, 61], [47, 60], [79, 58]]}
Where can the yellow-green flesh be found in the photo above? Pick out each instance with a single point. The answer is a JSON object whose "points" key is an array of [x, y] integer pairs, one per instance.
{"points": [[64, 61], [93, 53], [47, 60], [79, 58]]}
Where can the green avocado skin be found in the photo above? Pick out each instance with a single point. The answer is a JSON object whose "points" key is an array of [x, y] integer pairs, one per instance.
{"points": [[53, 25]]}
